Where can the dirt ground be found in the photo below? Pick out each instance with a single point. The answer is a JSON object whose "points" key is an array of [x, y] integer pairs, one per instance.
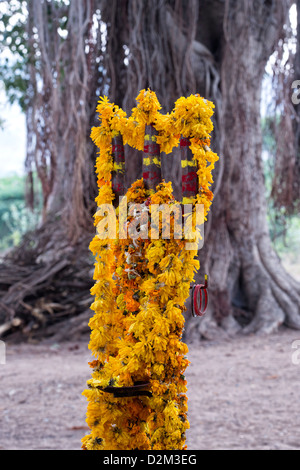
{"points": [[243, 394]]}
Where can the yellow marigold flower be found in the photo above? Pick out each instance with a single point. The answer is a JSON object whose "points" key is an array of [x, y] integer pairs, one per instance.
{"points": [[105, 195], [133, 132], [148, 106]]}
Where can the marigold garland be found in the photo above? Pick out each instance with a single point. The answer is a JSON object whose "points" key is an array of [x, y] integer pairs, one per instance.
{"points": [[142, 285]]}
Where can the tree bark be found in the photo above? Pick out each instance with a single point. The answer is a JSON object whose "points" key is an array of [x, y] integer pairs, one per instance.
{"points": [[65, 76], [249, 290]]}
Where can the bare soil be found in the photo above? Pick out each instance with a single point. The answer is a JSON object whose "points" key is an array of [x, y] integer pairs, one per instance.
{"points": [[243, 394]]}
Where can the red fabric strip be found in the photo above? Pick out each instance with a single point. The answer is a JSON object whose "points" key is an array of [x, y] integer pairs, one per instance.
{"points": [[184, 142], [190, 187], [189, 176], [151, 148], [151, 175], [118, 187], [117, 148]]}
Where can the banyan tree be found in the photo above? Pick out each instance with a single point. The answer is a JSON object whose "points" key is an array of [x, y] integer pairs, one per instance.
{"points": [[79, 50]]}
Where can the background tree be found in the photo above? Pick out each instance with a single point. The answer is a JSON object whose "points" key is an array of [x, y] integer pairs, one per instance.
{"points": [[217, 48], [61, 73], [252, 290]]}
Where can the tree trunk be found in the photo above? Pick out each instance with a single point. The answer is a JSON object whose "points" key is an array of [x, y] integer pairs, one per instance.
{"points": [[63, 65], [249, 290]]}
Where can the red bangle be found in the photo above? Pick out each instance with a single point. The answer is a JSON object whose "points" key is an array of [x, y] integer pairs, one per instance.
{"points": [[198, 309]]}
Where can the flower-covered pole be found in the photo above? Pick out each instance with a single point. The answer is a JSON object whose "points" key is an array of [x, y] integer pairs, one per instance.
{"points": [[137, 393]]}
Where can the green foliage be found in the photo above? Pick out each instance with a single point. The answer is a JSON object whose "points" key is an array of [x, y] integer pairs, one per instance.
{"points": [[14, 51], [287, 247], [290, 240], [277, 219], [284, 228], [11, 188], [19, 45], [269, 142], [15, 218]]}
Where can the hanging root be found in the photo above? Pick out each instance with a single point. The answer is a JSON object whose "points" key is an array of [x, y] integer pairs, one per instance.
{"points": [[249, 292]]}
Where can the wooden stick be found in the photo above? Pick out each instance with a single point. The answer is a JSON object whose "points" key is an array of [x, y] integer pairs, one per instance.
{"points": [[118, 173], [151, 159], [189, 169]]}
